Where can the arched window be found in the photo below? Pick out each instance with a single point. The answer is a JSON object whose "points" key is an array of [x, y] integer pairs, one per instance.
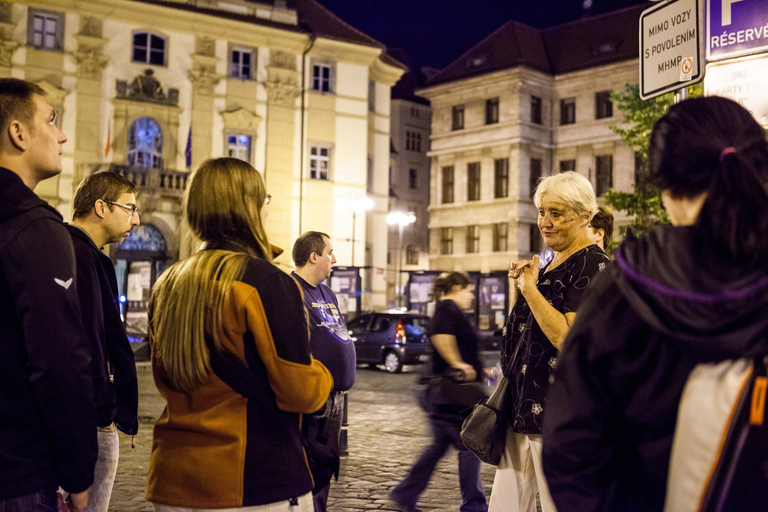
{"points": [[145, 144]]}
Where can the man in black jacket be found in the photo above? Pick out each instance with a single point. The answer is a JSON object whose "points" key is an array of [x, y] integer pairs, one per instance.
{"points": [[47, 418], [104, 213]]}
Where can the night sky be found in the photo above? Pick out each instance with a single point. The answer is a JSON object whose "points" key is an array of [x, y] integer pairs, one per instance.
{"points": [[436, 32]]}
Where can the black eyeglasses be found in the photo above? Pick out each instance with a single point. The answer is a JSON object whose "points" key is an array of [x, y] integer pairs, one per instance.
{"points": [[131, 208], [268, 199]]}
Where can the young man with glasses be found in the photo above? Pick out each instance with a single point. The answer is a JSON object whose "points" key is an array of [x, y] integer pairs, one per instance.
{"points": [[105, 212]]}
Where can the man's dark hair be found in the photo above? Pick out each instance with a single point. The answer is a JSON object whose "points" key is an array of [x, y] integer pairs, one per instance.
{"points": [[306, 244], [603, 219], [104, 185], [16, 102]]}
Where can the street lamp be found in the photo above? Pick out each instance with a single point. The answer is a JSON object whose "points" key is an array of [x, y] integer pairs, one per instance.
{"points": [[355, 205], [400, 219]]}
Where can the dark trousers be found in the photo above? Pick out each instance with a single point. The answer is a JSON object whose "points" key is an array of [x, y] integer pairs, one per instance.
{"points": [[336, 404], [444, 435], [40, 501]]}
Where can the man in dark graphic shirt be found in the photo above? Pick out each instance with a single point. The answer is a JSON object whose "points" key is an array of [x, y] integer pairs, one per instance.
{"points": [[331, 345]]}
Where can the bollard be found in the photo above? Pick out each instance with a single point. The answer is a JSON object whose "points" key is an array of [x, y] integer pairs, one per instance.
{"points": [[343, 450]]}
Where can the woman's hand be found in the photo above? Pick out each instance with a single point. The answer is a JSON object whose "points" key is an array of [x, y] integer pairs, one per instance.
{"points": [[526, 281], [516, 268]]}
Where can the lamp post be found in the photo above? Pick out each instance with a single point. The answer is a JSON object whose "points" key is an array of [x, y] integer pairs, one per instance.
{"points": [[355, 205], [400, 219]]}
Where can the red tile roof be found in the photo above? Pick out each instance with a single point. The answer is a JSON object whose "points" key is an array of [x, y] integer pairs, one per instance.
{"points": [[581, 44]]}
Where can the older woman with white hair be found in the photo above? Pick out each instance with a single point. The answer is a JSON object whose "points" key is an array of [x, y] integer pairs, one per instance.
{"points": [[543, 307]]}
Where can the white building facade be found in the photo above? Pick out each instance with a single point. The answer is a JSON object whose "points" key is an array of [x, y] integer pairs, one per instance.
{"points": [[153, 88]]}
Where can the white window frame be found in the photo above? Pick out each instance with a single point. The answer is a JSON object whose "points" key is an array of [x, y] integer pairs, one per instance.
{"points": [[150, 36], [238, 74], [57, 34], [319, 83], [316, 158], [233, 149]]}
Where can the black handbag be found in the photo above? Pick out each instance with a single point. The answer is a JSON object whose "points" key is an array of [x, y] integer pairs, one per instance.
{"points": [[484, 431]]}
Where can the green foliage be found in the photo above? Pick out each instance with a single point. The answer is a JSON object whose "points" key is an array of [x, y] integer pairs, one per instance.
{"points": [[644, 203]]}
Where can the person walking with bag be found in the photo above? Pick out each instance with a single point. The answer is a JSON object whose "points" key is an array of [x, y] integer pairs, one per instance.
{"points": [[544, 303], [456, 351]]}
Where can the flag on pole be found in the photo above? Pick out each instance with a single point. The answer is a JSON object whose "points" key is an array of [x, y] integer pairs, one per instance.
{"points": [[188, 151], [108, 147]]}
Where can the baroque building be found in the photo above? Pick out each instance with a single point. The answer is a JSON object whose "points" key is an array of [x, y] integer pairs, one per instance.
{"points": [[522, 104], [152, 88]]}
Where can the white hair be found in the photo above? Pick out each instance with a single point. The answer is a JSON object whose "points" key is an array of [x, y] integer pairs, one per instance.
{"points": [[570, 188]]}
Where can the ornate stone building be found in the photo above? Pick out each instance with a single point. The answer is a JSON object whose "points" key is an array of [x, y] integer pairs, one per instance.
{"points": [[152, 88]]}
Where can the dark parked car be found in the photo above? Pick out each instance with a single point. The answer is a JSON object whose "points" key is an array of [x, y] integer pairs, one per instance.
{"points": [[391, 339]]}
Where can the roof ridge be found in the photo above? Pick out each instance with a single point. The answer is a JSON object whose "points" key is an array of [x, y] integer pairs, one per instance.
{"points": [[589, 19], [327, 11]]}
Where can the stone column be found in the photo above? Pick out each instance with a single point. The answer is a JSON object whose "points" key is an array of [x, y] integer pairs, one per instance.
{"points": [[282, 92], [90, 60], [204, 80], [7, 44]]}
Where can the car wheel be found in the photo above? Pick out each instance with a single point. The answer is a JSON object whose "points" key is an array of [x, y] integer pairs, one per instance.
{"points": [[392, 362]]}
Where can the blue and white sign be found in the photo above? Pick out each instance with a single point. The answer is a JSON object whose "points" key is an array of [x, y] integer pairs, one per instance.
{"points": [[736, 27]]}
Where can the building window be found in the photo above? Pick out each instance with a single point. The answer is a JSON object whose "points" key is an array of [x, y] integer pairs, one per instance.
{"points": [[148, 48], [319, 162], [500, 237], [446, 241], [369, 177], [535, 109], [568, 111], [412, 179], [492, 111], [46, 30], [639, 166], [567, 165], [473, 181], [413, 141], [501, 177], [239, 146], [411, 255], [458, 117], [241, 63], [536, 242], [145, 144], [603, 174], [603, 105], [535, 174], [321, 77], [371, 96], [447, 184], [473, 239], [414, 112]]}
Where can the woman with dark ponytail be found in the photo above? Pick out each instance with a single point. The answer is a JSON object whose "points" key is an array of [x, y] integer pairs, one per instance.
{"points": [[456, 350], [695, 292]]}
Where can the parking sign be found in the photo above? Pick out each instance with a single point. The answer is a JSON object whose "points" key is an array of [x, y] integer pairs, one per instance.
{"points": [[736, 27]]}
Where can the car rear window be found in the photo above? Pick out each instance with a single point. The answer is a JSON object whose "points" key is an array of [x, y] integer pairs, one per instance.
{"points": [[415, 325]]}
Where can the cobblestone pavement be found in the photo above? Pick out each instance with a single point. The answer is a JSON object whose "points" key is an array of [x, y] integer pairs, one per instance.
{"points": [[387, 431]]}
